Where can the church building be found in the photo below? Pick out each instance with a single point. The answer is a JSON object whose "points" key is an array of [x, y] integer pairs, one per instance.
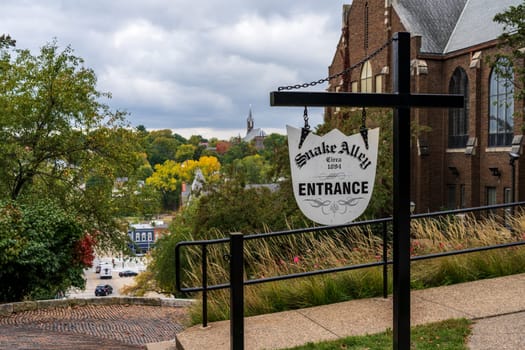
{"points": [[255, 135], [470, 156]]}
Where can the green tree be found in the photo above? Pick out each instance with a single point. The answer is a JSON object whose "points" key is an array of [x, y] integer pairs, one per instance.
{"points": [[196, 140], [59, 140], [238, 150], [41, 251], [6, 41], [254, 169], [275, 152], [512, 42], [161, 145], [185, 152]]}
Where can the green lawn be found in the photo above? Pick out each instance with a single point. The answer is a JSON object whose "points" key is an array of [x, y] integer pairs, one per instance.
{"points": [[449, 335]]}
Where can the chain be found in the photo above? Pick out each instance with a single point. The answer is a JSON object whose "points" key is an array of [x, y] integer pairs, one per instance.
{"points": [[363, 118], [305, 131], [364, 130], [305, 117], [337, 75]]}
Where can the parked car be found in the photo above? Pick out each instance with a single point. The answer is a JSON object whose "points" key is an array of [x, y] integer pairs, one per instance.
{"points": [[127, 273], [99, 267], [103, 290], [105, 271]]}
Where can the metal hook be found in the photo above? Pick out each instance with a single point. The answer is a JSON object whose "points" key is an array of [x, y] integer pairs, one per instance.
{"points": [[306, 129]]}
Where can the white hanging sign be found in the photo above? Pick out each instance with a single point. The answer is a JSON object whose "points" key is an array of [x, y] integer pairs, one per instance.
{"points": [[333, 175]]}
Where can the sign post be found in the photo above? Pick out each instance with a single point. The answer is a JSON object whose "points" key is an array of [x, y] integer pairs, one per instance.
{"points": [[401, 100]]}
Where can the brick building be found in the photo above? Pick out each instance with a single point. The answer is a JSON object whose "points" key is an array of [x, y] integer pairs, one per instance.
{"points": [[465, 158]]}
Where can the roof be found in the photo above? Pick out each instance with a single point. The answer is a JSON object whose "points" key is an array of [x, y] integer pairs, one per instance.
{"points": [[253, 134], [142, 226], [433, 20], [450, 25], [476, 24], [272, 186]]}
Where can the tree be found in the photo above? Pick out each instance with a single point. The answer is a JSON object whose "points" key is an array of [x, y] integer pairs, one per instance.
{"points": [[238, 150], [185, 152], [196, 140], [254, 169], [275, 152], [209, 166], [169, 176], [44, 250], [512, 42], [6, 41], [59, 140], [161, 145]]}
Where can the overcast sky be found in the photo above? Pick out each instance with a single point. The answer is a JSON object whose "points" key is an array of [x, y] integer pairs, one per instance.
{"points": [[191, 66]]}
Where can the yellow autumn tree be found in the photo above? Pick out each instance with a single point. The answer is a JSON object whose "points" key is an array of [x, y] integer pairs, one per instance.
{"points": [[169, 176], [208, 165]]}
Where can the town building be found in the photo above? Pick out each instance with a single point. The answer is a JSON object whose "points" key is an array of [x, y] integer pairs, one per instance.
{"points": [[144, 236], [255, 135], [468, 156]]}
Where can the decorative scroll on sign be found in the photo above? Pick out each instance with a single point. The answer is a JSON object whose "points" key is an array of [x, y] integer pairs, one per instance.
{"points": [[332, 175]]}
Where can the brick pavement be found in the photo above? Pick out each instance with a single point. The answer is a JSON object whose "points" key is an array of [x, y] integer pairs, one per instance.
{"points": [[91, 327]]}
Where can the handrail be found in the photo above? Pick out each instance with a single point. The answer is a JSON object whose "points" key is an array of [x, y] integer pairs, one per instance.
{"points": [[384, 262]]}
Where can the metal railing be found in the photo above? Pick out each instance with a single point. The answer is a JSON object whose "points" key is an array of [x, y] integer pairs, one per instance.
{"points": [[236, 257]]}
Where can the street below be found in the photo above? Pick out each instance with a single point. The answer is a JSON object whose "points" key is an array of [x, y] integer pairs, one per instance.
{"points": [[93, 278]]}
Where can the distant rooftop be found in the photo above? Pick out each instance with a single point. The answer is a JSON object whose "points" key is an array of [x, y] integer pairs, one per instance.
{"points": [[252, 134]]}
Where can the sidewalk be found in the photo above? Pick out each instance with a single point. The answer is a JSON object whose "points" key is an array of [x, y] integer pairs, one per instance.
{"points": [[496, 305]]}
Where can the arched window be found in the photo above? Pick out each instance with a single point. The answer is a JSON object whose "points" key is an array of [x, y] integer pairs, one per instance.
{"points": [[501, 104], [366, 77], [458, 117]]}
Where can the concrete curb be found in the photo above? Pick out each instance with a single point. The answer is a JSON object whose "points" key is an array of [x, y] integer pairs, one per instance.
{"points": [[8, 309]]}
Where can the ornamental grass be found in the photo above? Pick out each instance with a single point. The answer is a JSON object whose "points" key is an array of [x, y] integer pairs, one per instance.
{"points": [[277, 256]]}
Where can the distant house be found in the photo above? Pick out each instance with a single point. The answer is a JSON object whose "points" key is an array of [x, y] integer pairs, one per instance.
{"points": [[144, 236], [256, 135], [222, 147], [198, 181], [192, 190], [185, 194], [273, 187]]}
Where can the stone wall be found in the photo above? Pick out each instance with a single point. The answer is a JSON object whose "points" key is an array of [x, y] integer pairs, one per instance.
{"points": [[11, 308]]}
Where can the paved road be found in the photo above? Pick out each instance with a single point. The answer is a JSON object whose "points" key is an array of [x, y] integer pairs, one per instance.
{"points": [[93, 279], [112, 327], [91, 327]]}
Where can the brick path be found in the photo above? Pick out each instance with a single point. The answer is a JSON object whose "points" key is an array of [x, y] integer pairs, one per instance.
{"points": [[111, 327]]}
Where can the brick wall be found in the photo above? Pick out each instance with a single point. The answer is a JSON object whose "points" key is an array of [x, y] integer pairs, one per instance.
{"points": [[431, 175]]}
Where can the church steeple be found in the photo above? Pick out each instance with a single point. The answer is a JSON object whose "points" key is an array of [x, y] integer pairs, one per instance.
{"points": [[249, 122]]}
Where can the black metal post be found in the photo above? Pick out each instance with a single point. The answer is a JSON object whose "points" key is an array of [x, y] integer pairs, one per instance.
{"points": [[236, 291], [385, 260], [401, 100], [204, 259], [401, 217], [513, 196]]}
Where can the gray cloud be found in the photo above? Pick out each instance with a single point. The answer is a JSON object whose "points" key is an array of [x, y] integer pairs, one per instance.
{"points": [[188, 66]]}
